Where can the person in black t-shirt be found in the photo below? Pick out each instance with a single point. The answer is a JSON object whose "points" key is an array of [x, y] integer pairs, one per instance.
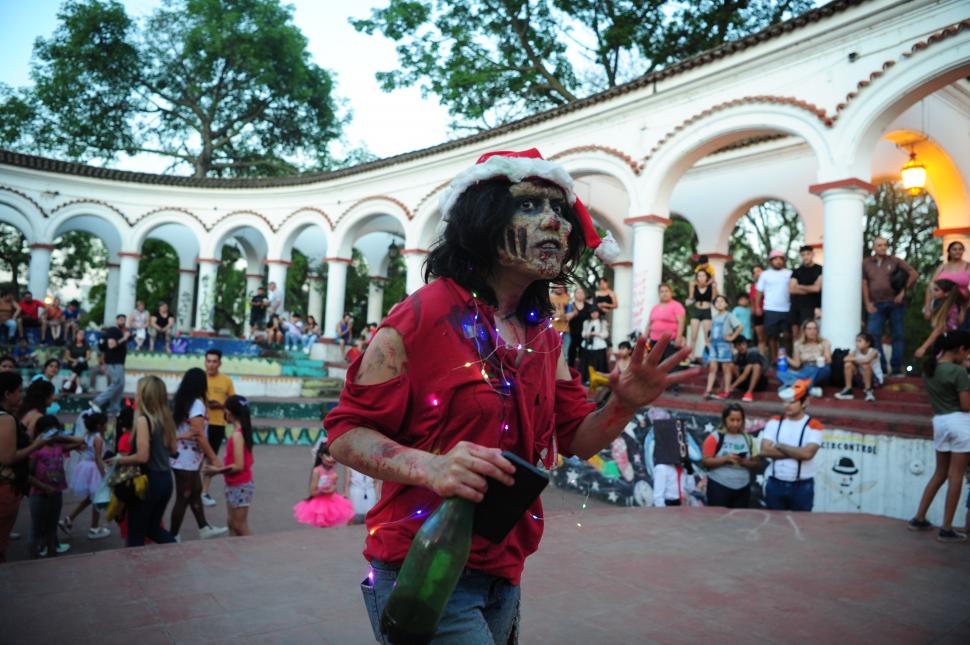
{"points": [[161, 323], [257, 310], [806, 291], [750, 369], [114, 347]]}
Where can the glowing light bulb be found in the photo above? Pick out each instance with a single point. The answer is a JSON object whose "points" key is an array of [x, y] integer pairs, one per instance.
{"points": [[519, 346], [529, 349], [373, 531], [434, 402], [419, 512], [468, 364], [579, 524]]}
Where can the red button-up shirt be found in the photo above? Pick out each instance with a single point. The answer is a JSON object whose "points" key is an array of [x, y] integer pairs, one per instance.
{"points": [[440, 401]]}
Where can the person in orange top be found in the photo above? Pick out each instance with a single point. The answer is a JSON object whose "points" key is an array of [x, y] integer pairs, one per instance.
{"points": [[220, 388]]}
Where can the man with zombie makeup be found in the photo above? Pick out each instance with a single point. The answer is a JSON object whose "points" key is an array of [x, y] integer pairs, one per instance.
{"points": [[470, 365]]}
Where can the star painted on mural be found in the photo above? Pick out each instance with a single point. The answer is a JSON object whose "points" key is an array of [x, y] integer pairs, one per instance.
{"points": [[595, 486], [708, 427], [612, 496], [636, 458], [571, 476]]}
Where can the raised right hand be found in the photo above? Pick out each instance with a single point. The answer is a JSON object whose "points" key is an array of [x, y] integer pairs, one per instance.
{"points": [[462, 471]]}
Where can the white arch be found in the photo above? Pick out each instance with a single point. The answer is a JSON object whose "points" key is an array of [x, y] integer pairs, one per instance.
{"points": [[11, 215], [297, 223], [212, 243], [354, 222], [151, 221], [111, 227], [599, 162], [705, 135], [867, 117]]}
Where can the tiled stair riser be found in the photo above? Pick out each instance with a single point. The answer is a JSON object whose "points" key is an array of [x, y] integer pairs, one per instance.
{"points": [[275, 386], [232, 365]]}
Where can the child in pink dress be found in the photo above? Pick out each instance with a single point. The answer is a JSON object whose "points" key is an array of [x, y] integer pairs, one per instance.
{"points": [[324, 506]]}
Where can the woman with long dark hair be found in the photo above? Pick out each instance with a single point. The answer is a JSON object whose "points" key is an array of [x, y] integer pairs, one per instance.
{"points": [[154, 444], [948, 387], [471, 365], [192, 425], [15, 447], [38, 397], [238, 468]]}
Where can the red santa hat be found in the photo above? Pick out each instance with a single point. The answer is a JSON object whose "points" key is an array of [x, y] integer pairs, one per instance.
{"points": [[521, 166]]}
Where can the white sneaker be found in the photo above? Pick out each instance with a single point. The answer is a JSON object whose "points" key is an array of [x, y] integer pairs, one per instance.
{"points": [[178, 539], [209, 532], [306, 350], [815, 391], [61, 548], [94, 406], [207, 500], [845, 395], [14, 535], [870, 395], [66, 525], [99, 533]]}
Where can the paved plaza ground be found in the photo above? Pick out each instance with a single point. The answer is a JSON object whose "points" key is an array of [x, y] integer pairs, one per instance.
{"points": [[626, 575]]}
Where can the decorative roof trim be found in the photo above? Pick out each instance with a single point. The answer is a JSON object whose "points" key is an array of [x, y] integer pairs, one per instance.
{"points": [[313, 209], [613, 152], [372, 198], [25, 196], [819, 14], [99, 202]]}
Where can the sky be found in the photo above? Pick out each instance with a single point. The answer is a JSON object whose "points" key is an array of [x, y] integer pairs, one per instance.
{"points": [[386, 123]]}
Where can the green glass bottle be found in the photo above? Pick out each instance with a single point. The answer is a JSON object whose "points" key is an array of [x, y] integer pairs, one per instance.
{"points": [[427, 578]]}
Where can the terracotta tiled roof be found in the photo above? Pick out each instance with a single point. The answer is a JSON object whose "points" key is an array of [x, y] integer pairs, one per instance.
{"points": [[832, 8]]}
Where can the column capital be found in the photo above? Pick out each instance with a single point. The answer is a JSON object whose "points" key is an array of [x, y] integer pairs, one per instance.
{"points": [[819, 245], [187, 271], [648, 219], [958, 230], [852, 183], [112, 265], [622, 264], [285, 263], [129, 254], [338, 259], [207, 261], [414, 251], [42, 247], [714, 255]]}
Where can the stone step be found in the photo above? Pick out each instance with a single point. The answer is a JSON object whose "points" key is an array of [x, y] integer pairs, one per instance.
{"points": [[246, 385], [302, 371], [304, 409], [231, 365]]}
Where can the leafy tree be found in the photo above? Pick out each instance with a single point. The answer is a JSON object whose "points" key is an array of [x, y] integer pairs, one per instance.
{"points": [[14, 257], [298, 284], [395, 287], [765, 227], [158, 275], [77, 256], [492, 61], [230, 309], [680, 246], [223, 87]]}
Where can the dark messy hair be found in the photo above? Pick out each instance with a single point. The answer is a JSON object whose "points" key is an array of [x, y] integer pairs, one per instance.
{"points": [[728, 409], [94, 421], [35, 397], [467, 252], [193, 387], [45, 423], [323, 450], [946, 342]]}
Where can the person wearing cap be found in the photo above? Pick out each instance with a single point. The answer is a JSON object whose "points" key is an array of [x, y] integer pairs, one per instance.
{"points": [[774, 298], [470, 365], [791, 442]]}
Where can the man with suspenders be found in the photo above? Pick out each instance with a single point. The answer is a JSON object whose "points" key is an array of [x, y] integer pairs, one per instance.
{"points": [[791, 442]]}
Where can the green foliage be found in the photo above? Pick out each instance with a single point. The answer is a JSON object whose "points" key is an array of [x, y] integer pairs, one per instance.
{"points": [[94, 314], [224, 87], [77, 256], [492, 61], [680, 246], [395, 287], [358, 287], [765, 227], [230, 283], [298, 284], [158, 275], [14, 257]]}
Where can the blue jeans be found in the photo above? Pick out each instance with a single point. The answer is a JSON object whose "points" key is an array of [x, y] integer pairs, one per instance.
{"points": [[789, 496], [110, 399], [293, 338], [567, 340], [11, 327], [820, 375], [894, 314], [145, 516], [483, 610], [308, 340]]}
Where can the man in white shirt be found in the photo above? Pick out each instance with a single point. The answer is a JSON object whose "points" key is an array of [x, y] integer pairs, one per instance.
{"points": [[774, 298], [275, 299], [791, 442]]}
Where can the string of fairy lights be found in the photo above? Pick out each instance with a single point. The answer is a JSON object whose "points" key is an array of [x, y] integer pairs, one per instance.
{"points": [[496, 343]]}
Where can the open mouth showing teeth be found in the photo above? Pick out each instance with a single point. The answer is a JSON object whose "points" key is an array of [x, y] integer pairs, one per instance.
{"points": [[549, 245]]}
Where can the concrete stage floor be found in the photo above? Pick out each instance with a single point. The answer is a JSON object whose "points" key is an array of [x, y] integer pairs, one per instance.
{"points": [[624, 576]]}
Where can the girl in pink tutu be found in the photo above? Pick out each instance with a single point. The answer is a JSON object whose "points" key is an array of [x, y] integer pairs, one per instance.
{"points": [[85, 479], [324, 506]]}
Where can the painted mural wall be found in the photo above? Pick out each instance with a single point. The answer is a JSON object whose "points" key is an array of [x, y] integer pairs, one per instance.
{"points": [[857, 473]]}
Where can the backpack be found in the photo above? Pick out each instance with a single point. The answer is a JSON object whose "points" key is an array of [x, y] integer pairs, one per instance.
{"points": [[838, 368], [747, 440]]}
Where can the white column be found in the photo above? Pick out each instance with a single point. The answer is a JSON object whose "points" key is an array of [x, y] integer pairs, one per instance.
{"points": [[717, 262], [206, 302], [648, 249], [844, 207], [315, 304], [622, 287], [375, 298], [414, 262], [127, 282], [38, 273], [186, 299], [111, 294], [277, 274], [336, 292]]}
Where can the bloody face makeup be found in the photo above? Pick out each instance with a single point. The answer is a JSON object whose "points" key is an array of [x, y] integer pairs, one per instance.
{"points": [[536, 239]]}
